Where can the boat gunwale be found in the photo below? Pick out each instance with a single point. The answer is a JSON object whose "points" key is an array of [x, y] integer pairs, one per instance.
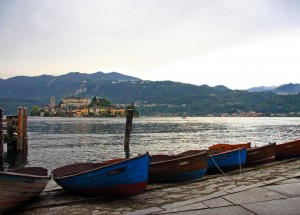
{"points": [[203, 152], [239, 145], [233, 150], [289, 143], [25, 175], [262, 147]]}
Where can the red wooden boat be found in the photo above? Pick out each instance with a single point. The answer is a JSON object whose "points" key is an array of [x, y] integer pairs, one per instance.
{"points": [[21, 185], [189, 165], [261, 155], [288, 150]]}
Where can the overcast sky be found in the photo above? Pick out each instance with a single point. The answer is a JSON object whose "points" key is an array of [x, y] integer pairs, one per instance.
{"points": [[236, 43]]}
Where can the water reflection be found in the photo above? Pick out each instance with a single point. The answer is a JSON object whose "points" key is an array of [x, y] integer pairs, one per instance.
{"points": [[13, 160], [55, 142]]}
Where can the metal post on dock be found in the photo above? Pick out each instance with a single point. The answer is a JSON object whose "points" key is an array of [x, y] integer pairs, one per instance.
{"points": [[129, 116]]}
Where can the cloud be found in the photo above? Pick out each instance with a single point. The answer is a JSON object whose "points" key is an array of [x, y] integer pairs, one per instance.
{"points": [[132, 36], [268, 62]]}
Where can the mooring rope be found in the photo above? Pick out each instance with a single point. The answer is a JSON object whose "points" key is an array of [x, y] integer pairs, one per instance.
{"points": [[217, 166], [240, 160], [240, 163]]}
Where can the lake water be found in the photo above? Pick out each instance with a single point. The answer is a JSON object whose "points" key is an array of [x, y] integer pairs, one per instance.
{"points": [[54, 142]]}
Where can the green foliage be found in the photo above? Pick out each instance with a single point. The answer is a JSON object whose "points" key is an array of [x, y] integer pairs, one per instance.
{"points": [[35, 111], [100, 102], [46, 114], [151, 97]]}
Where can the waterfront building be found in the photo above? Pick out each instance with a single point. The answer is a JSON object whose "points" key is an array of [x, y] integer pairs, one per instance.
{"points": [[75, 101]]}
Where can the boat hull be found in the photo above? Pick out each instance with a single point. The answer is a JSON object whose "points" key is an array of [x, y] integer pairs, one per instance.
{"points": [[20, 186], [223, 147], [226, 161], [123, 178], [288, 150], [261, 155], [186, 166]]}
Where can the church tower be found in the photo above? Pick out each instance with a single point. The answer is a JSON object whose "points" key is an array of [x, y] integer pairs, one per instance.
{"points": [[52, 101]]}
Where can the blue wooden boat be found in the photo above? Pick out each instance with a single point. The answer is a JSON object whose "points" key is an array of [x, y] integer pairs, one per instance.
{"points": [[189, 165], [226, 161], [21, 185], [120, 177]]}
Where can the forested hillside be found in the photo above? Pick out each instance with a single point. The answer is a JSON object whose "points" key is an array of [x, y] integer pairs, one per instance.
{"points": [[151, 97]]}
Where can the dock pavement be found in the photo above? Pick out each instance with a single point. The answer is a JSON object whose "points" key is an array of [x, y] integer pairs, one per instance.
{"points": [[272, 188]]}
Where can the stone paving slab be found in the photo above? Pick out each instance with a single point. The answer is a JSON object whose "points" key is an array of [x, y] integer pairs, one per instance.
{"points": [[146, 211], [232, 210], [217, 202], [275, 180], [290, 206], [295, 175], [290, 181], [254, 195], [192, 207], [244, 188], [291, 190], [193, 201]]}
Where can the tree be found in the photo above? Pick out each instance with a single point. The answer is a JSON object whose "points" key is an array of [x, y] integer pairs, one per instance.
{"points": [[100, 102], [35, 111], [47, 114]]}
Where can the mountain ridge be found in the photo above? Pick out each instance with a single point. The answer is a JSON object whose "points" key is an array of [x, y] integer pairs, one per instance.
{"points": [[281, 89], [153, 97], [290, 88]]}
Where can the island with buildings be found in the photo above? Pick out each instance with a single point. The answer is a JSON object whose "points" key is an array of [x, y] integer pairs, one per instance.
{"points": [[74, 106]]}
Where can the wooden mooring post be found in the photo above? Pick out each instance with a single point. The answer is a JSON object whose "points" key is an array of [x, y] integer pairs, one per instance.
{"points": [[16, 131], [15, 137], [11, 134], [1, 139], [129, 116], [22, 139]]}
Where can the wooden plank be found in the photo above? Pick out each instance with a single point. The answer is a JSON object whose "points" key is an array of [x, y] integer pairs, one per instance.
{"points": [[29, 189], [14, 199], [7, 205], [21, 194], [23, 184], [288, 150]]}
